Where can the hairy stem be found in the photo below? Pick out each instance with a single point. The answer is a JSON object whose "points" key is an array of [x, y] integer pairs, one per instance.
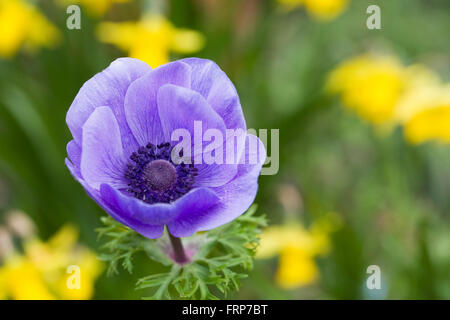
{"points": [[178, 250]]}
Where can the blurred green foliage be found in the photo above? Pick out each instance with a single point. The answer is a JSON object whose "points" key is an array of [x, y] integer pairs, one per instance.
{"points": [[393, 197]]}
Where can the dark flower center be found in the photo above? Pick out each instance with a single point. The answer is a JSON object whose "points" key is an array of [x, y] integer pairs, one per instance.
{"points": [[160, 175], [153, 177]]}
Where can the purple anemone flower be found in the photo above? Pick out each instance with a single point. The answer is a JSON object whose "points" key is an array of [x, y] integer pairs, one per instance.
{"points": [[122, 122]]}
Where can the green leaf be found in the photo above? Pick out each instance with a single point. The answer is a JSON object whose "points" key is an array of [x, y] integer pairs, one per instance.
{"points": [[224, 257]]}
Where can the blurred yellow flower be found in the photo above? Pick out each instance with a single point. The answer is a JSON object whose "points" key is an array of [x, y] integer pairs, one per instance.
{"points": [[24, 281], [297, 249], [151, 39], [370, 85], [296, 268], [320, 9], [3, 285], [425, 114], [94, 7], [373, 85], [24, 26], [41, 271], [90, 269], [325, 9]]}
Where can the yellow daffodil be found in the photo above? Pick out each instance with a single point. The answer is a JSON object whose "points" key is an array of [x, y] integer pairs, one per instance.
{"points": [[3, 284], [150, 39], [41, 271], [325, 9], [297, 249], [25, 281], [94, 7], [296, 268], [320, 9], [370, 85], [22, 25], [425, 114], [90, 268], [373, 85]]}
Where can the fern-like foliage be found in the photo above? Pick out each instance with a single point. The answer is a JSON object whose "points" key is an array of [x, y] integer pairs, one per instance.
{"points": [[222, 257], [122, 244]]}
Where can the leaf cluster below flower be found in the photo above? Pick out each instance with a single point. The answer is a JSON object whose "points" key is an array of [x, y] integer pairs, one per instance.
{"points": [[222, 257]]}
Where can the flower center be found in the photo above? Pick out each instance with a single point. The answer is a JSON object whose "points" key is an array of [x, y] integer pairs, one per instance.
{"points": [[153, 177], [160, 175]]}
